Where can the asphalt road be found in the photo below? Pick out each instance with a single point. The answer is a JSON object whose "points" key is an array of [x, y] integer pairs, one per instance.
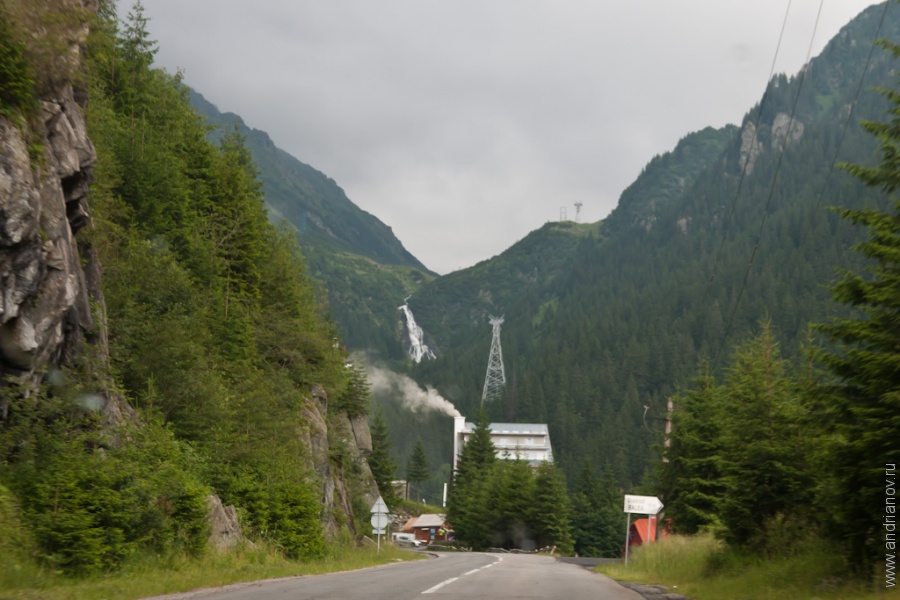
{"points": [[451, 576]]}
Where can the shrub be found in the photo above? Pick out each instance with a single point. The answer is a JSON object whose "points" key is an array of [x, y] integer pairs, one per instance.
{"points": [[17, 84]]}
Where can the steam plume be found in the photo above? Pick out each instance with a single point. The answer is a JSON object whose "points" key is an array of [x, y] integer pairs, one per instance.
{"points": [[409, 393]]}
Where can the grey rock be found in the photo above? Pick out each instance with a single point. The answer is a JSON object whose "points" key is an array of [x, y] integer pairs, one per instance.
{"points": [[652, 591], [224, 526]]}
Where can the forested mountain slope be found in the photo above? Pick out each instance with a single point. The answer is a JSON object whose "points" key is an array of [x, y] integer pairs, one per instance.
{"points": [[357, 259], [309, 199], [162, 345], [698, 252]]}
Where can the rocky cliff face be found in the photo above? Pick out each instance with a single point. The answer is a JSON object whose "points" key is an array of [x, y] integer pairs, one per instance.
{"points": [[338, 447], [48, 281]]}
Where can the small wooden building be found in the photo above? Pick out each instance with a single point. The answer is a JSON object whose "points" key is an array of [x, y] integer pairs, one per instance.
{"points": [[429, 528]]}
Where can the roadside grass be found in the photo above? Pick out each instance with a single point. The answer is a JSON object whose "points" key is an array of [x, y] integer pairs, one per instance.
{"points": [[702, 568], [145, 576]]}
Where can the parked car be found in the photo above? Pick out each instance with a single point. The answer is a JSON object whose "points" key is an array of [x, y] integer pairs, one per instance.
{"points": [[406, 539]]}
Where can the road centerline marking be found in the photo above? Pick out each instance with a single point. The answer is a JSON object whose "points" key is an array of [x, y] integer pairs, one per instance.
{"points": [[435, 588]]}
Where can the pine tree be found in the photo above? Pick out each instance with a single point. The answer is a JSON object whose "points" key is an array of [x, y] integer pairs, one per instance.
{"points": [[355, 399], [763, 447], [691, 477], [551, 520], [417, 468], [508, 512], [596, 514], [467, 503], [380, 462], [863, 400]]}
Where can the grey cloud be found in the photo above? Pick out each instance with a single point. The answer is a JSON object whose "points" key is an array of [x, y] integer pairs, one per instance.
{"points": [[466, 124]]}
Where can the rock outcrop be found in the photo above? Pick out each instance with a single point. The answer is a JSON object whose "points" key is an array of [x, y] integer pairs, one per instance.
{"points": [[46, 292], [224, 526], [338, 446], [783, 131]]}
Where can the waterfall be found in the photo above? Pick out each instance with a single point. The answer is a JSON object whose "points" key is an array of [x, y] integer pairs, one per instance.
{"points": [[418, 349]]}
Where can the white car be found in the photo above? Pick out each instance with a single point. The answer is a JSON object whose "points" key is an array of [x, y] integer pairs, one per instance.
{"points": [[406, 539]]}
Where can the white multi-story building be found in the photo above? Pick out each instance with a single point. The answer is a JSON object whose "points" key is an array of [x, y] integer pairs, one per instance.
{"points": [[523, 441]]}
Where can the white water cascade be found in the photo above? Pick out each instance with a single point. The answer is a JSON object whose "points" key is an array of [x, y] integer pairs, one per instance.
{"points": [[418, 349]]}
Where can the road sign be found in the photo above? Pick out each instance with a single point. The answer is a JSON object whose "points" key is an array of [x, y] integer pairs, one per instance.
{"points": [[379, 533], [642, 505], [380, 520], [379, 506]]}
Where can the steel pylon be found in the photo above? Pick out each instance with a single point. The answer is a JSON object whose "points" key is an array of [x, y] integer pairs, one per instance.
{"points": [[495, 379]]}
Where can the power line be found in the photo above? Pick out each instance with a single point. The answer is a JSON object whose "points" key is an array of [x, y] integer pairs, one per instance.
{"points": [[781, 157], [753, 142]]}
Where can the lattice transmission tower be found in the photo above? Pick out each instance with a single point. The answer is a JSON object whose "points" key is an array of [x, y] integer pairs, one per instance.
{"points": [[496, 376]]}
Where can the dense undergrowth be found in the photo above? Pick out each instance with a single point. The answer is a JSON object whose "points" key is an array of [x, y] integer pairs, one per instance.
{"points": [[703, 568], [215, 337]]}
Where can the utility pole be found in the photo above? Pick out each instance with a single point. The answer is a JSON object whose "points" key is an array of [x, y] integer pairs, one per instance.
{"points": [[667, 442], [667, 439]]}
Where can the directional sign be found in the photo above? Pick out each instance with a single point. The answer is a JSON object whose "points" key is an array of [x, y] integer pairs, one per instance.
{"points": [[642, 505], [380, 520], [379, 506]]}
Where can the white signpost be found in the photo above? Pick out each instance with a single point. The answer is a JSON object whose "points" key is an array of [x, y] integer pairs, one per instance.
{"points": [[641, 505], [380, 519]]}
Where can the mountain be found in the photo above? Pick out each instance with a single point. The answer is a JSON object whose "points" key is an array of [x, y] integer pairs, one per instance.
{"points": [[357, 259], [604, 322], [310, 200]]}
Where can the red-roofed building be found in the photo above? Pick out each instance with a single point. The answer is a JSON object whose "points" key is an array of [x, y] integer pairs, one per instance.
{"points": [[643, 530]]}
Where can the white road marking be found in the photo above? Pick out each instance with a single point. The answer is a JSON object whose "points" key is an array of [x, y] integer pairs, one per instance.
{"points": [[433, 589], [440, 585]]}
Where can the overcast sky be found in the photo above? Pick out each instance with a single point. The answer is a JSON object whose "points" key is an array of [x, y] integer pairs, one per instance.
{"points": [[466, 124]]}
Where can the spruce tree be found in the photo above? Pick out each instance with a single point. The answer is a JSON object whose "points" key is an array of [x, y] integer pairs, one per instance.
{"points": [[863, 399], [692, 476], [551, 521], [596, 514], [509, 506], [765, 474], [467, 503], [417, 468], [382, 465]]}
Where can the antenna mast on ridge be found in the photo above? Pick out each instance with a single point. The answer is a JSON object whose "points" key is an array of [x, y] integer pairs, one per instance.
{"points": [[496, 376]]}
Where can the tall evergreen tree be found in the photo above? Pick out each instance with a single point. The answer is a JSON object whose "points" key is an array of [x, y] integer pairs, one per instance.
{"points": [[510, 504], [863, 399], [692, 476], [383, 467], [467, 503], [596, 514], [764, 446], [355, 399], [551, 521], [417, 468]]}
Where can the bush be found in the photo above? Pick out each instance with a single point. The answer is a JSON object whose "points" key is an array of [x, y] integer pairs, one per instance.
{"points": [[89, 504], [17, 84]]}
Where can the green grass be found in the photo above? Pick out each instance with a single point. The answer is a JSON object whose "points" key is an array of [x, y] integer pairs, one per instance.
{"points": [[701, 568], [150, 576]]}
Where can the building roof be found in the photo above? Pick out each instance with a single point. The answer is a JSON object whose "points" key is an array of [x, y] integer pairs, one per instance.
{"points": [[639, 528], [522, 428], [426, 520]]}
